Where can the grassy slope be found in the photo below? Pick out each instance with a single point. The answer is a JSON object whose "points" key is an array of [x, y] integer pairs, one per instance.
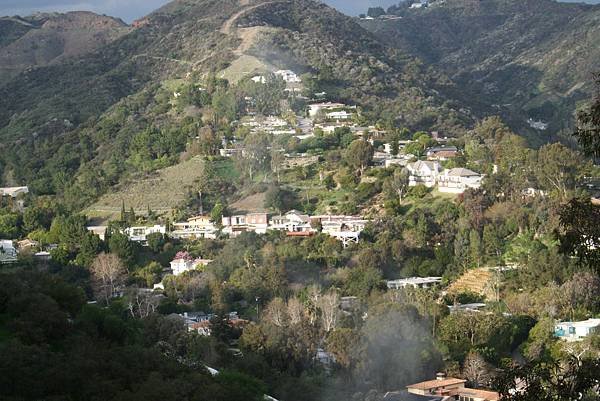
{"points": [[162, 191]]}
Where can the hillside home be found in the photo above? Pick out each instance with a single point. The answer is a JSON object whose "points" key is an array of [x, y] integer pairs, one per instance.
{"points": [[27, 244], [442, 153], [288, 76], [184, 262], [314, 109], [259, 79], [472, 307], [339, 115], [576, 331], [387, 147], [194, 317], [458, 180], [346, 229], [423, 173], [452, 388], [100, 231], [195, 227], [235, 225], [8, 253], [203, 327], [415, 282], [14, 192], [330, 127], [140, 234], [292, 222], [396, 161], [332, 224]]}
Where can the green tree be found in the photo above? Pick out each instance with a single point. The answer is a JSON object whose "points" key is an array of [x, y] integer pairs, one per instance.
{"points": [[462, 254], [71, 231], [570, 379], [120, 245], [359, 155], [588, 125], [91, 246], [580, 231], [280, 199], [557, 169], [10, 225], [35, 218], [255, 155], [156, 242], [492, 243], [216, 213], [415, 148], [475, 248], [150, 273]]}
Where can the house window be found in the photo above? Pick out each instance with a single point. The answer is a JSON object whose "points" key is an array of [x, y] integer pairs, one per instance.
{"points": [[571, 330]]}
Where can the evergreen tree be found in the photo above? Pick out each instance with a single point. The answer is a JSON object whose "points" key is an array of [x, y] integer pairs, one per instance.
{"points": [[461, 250], [475, 248], [492, 243]]}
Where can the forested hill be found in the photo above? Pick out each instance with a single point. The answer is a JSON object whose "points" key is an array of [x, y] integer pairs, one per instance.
{"points": [[79, 119], [45, 39], [524, 58]]}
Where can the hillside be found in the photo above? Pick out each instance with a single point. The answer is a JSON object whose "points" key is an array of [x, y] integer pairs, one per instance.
{"points": [[523, 59], [46, 39], [79, 118]]}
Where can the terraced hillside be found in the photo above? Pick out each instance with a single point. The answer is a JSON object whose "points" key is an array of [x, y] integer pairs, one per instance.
{"points": [[480, 281]]}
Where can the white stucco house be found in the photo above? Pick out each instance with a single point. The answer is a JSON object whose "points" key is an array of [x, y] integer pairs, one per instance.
{"points": [[415, 282], [195, 227], [140, 234], [292, 221], [458, 180], [576, 331], [339, 115], [315, 108], [184, 262], [423, 173], [288, 76]]}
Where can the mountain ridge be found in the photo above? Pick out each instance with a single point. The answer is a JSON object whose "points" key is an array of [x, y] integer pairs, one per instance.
{"points": [[46, 39], [185, 41], [525, 59]]}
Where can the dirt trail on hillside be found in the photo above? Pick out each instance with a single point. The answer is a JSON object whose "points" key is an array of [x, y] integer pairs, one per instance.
{"points": [[227, 28]]}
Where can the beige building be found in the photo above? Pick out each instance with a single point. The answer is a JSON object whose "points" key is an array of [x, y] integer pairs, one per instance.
{"points": [[452, 388]]}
